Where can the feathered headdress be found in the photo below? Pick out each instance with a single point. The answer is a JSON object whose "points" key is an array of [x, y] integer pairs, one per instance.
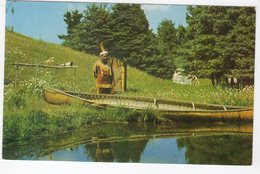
{"points": [[103, 51]]}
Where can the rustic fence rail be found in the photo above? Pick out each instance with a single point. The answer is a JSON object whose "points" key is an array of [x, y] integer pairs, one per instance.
{"points": [[17, 65]]}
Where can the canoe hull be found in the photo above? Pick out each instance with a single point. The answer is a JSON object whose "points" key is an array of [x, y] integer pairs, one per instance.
{"points": [[170, 109], [58, 97], [241, 115]]}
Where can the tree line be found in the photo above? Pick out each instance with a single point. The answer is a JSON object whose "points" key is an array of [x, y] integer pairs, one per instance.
{"points": [[217, 42]]}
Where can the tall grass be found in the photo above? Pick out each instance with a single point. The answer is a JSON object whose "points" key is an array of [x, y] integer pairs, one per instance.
{"points": [[23, 123], [140, 83]]}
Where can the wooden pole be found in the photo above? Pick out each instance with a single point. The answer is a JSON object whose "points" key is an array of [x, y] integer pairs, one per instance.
{"points": [[44, 66], [75, 77], [124, 77], [36, 79], [16, 75]]}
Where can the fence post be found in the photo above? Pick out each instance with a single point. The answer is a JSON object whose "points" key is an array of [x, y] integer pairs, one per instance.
{"points": [[16, 75], [124, 77], [75, 77]]}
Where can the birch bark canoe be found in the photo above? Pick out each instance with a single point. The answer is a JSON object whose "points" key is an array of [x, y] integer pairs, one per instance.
{"points": [[172, 109]]}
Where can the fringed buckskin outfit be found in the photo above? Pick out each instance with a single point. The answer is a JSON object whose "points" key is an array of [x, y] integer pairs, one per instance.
{"points": [[104, 77]]}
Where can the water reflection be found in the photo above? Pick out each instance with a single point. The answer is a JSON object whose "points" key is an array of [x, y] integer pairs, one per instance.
{"points": [[210, 143], [126, 151], [226, 149]]}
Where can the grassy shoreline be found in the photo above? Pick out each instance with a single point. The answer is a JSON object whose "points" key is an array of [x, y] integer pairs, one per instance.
{"points": [[27, 116], [26, 124]]}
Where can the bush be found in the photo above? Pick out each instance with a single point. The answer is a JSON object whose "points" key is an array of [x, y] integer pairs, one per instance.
{"points": [[16, 99]]}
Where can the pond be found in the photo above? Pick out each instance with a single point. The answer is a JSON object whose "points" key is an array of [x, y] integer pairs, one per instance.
{"points": [[178, 143]]}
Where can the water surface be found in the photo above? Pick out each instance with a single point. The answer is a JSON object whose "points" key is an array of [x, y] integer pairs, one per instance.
{"points": [[178, 143]]}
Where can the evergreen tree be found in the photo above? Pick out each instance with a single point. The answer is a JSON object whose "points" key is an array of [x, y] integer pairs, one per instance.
{"points": [[96, 28], [130, 32], [167, 35], [86, 31], [218, 41], [214, 48], [168, 44], [242, 43], [181, 35], [72, 19]]}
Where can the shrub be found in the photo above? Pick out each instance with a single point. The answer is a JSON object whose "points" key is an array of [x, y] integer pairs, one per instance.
{"points": [[16, 99]]}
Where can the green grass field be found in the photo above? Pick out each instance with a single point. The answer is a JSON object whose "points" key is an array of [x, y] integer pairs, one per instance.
{"points": [[26, 114], [26, 50]]}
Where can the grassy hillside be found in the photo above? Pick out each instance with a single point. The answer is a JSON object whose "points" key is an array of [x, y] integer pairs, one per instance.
{"points": [[23, 49], [26, 50]]}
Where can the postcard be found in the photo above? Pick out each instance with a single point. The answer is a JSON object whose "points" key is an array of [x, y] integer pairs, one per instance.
{"points": [[113, 86]]}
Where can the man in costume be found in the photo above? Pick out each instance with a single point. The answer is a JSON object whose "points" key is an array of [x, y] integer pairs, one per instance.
{"points": [[103, 73]]}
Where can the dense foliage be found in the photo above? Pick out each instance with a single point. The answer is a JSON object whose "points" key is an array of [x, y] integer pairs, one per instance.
{"points": [[218, 42], [124, 30]]}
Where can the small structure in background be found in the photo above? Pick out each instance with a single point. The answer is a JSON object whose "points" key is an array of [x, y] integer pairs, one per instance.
{"points": [[178, 76], [181, 77], [232, 81], [239, 81], [239, 78]]}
